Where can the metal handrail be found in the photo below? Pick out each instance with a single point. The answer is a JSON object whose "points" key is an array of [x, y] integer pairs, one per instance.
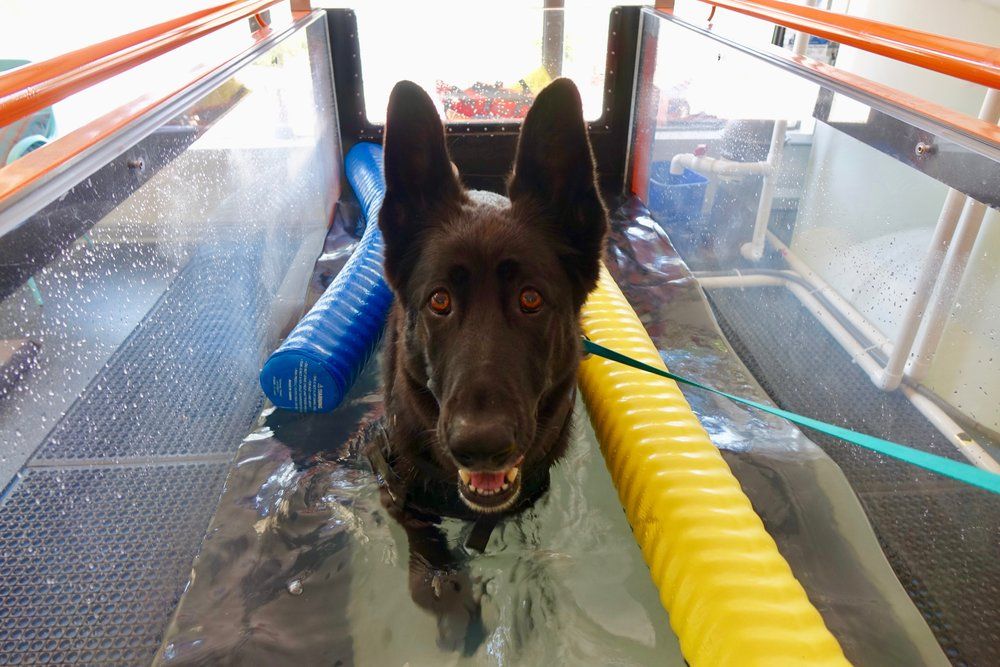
{"points": [[27, 183], [34, 87], [970, 61]]}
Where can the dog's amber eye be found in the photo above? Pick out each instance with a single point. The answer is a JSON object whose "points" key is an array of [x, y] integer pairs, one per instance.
{"points": [[440, 302], [531, 300]]}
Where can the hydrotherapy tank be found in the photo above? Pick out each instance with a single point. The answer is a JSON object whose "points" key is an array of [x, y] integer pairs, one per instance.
{"points": [[153, 258]]}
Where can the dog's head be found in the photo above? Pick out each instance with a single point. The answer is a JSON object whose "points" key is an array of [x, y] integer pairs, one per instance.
{"points": [[491, 293]]}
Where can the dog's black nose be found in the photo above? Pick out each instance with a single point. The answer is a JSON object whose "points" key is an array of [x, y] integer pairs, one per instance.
{"points": [[482, 442]]}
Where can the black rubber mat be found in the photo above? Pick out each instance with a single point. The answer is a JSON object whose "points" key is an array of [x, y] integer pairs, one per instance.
{"points": [[196, 353], [92, 563], [941, 537]]}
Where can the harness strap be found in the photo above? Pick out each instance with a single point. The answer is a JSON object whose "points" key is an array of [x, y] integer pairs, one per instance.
{"points": [[482, 528], [383, 470], [481, 531]]}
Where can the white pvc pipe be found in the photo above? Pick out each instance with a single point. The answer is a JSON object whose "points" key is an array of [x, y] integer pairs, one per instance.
{"points": [[944, 230], [754, 250], [801, 42], [954, 433], [859, 354], [712, 165], [955, 264], [844, 307], [968, 222]]}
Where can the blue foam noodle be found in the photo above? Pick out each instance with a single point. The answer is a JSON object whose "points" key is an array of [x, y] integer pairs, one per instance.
{"points": [[325, 353]]}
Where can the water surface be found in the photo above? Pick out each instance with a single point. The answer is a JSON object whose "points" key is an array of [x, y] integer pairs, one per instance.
{"points": [[301, 562]]}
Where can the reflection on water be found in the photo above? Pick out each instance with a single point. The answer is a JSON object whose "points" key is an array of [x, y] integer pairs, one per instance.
{"points": [[302, 563]]}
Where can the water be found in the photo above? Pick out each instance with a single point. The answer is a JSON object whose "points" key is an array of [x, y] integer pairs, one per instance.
{"points": [[302, 563]]}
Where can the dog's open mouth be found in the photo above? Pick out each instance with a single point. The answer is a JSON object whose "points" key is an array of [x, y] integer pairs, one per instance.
{"points": [[492, 491]]}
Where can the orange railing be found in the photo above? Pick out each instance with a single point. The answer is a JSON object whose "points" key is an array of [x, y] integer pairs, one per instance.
{"points": [[28, 89], [34, 87], [978, 63]]}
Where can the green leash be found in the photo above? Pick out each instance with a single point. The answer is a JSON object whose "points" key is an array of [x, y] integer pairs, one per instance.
{"points": [[963, 472]]}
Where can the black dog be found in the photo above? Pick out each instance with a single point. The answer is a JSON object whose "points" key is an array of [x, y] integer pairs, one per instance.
{"points": [[483, 341]]}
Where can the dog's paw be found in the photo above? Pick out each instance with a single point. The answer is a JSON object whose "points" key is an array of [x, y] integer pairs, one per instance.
{"points": [[450, 595]]}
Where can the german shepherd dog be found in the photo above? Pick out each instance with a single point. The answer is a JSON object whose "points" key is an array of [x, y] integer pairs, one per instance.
{"points": [[483, 340]]}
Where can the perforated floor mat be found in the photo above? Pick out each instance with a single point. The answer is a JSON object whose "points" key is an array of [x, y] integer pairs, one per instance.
{"points": [[940, 536], [92, 563], [196, 351], [98, 531]]}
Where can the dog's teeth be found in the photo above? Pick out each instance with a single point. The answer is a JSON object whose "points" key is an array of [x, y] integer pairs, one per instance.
{"points": [[465, 475], [474, 489], [512, 475], [505, 486]]}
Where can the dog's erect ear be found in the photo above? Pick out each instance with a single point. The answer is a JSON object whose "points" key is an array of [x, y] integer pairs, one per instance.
{"points": [[554, 171], [420, 185]]}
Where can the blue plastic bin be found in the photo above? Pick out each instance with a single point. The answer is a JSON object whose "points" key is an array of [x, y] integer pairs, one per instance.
{"points": [[674, 199]]}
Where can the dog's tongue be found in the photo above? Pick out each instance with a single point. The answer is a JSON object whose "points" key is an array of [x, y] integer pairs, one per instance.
{"points": [[487, 481]]}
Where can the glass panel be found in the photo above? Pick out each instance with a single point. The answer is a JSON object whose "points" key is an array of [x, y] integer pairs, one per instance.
{"points": [[135, 309], [491, 64], [807, 212], [847, 206], [207, 228], [154, 79]]}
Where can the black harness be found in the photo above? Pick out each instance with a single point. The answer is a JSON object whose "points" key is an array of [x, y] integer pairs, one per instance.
{"points": [[381, 459], [533, 487]]}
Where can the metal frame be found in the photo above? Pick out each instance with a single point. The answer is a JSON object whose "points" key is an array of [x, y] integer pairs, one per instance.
{"points": [[642, 125], [484, 152], [932, 153]]}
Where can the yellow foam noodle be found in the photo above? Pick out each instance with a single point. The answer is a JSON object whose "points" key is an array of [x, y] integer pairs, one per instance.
{"points": [[731, 596]]}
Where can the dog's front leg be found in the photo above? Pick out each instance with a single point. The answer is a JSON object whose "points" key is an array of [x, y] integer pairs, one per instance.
{"points": [[440, 583]]}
